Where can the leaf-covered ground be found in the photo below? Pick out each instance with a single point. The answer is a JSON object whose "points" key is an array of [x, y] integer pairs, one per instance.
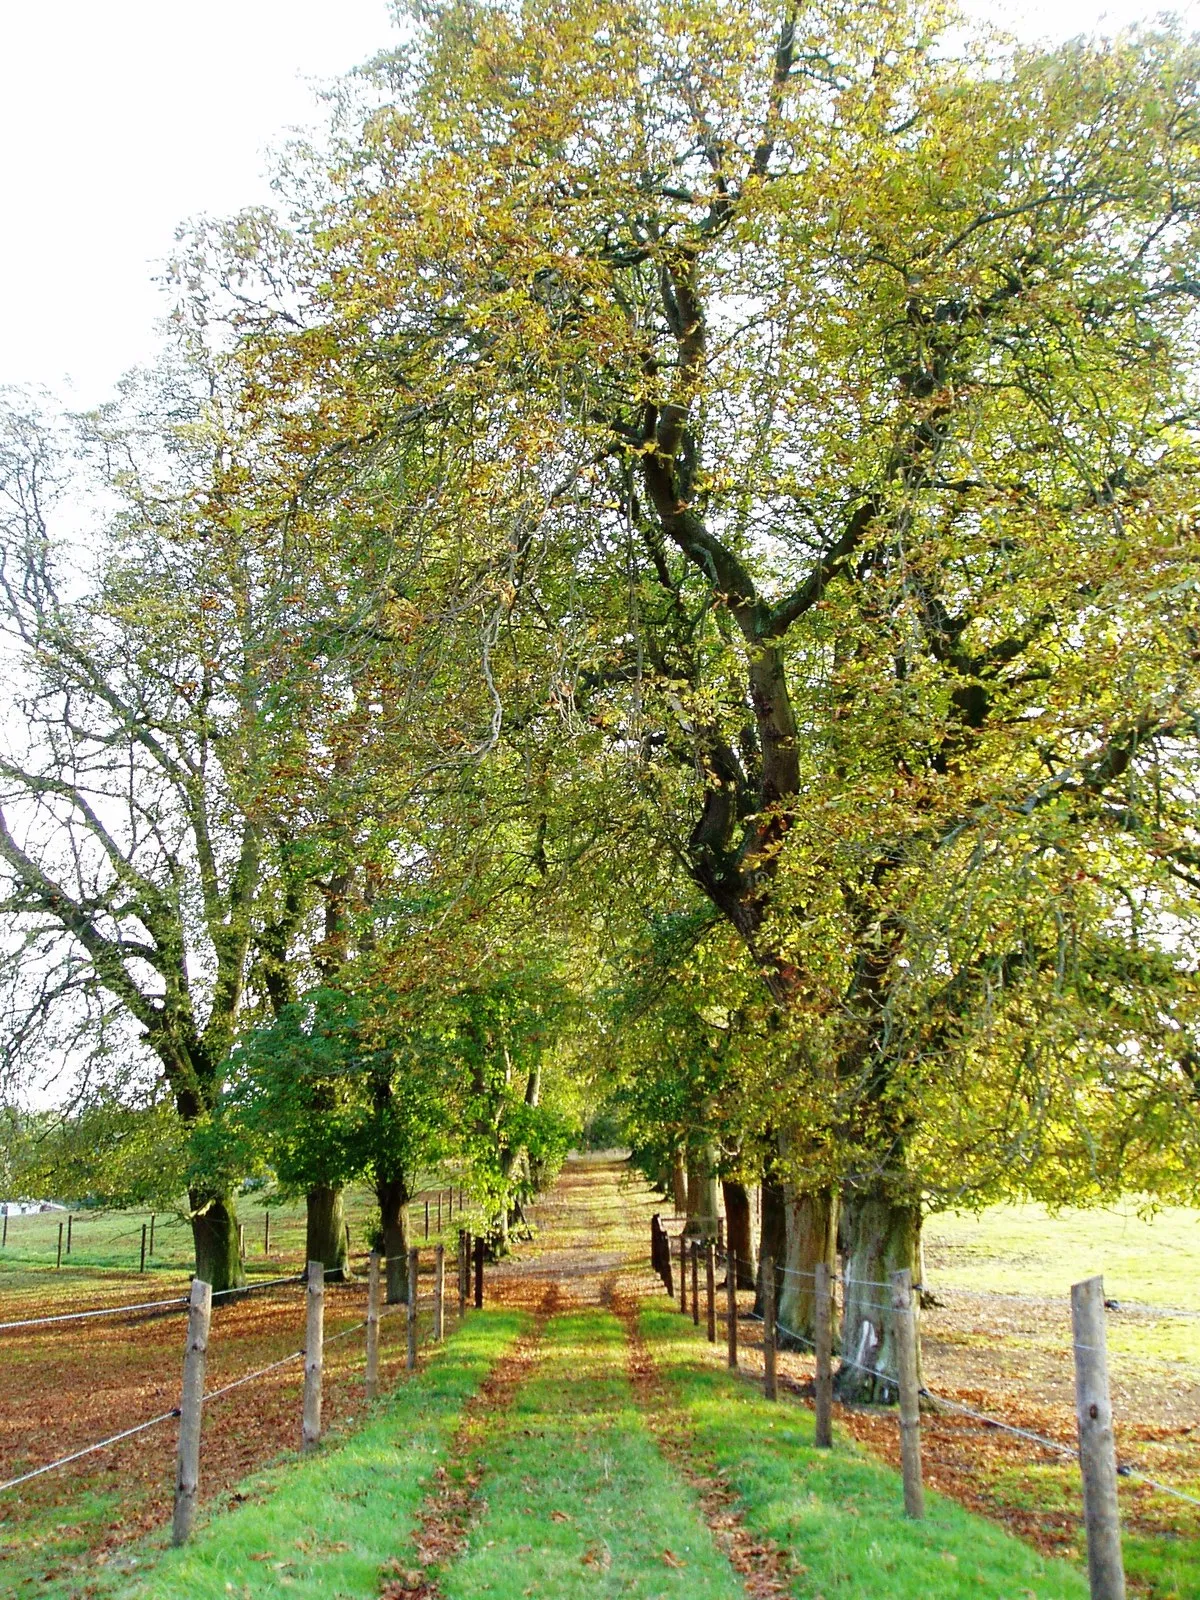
{"points": [[561, 1475]]}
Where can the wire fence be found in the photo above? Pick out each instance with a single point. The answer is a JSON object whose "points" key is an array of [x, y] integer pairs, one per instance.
{"points": [[886, 1303]]}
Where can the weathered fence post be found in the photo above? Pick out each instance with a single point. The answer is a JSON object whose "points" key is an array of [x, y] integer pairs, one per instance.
{"points": [[439, 1225], [710, 1284], [731, 1311], [314, 1355], [241, 1240], [347, 1247], [479, 1272], [4, 1241], [439, 1291], [463, 1258], [770, 1385], [373, 1325], [266, 1232], [910, 1392], [695, 1283], [195, 1356], [58, 1261], [152, 1219], [70, 1220], [414, 1265], [1097, 1445], [823, 1380], [427, 1219], [682, 1276]]}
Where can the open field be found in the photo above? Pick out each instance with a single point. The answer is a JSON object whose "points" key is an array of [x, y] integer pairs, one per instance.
{"points": [[997, 1340]]}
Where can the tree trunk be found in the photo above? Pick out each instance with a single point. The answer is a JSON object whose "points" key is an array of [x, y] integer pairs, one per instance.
{"points": [[772, 1236], [810, 1226], [679, 1185], [702, 1196], [881, 1236], [739, 1233], [392, 1194], [325, 1235], [215, 1239]]}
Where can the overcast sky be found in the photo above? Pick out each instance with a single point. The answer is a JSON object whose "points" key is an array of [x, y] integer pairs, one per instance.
{"points": [[119, 118]]}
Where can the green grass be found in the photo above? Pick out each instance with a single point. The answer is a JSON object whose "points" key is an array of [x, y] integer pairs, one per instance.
{"points": [[838, 1513], [579, 1499], [325, 1526]]}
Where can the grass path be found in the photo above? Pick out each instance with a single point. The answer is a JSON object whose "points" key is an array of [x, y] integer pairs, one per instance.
{"points": [[575, 1497]]}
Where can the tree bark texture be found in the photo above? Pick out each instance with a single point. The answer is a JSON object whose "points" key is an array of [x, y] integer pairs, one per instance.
{"points": [[392, 1194], [772, 1235], [810, 1236], [881, 1236], [215, 1239], [739, 1235], [325, 1231]]}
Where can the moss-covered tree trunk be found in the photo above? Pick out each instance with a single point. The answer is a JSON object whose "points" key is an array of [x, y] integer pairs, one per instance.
{"points": [[739, 1232], [702, 1195], [392, 1194], [325, 1231], [810, 1236], [880, 1236], [215, 1239]]}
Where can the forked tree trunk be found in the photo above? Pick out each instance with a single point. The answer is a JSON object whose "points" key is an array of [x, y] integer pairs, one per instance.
{"points": [[772, 1235], [215, 1239], [739, 1233], [325, 1232], [880, 1236], [810, 1229], [702, 1196], [392, 1194]]}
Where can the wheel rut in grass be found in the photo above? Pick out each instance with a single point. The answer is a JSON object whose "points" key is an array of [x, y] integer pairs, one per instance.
{"points": [[762, 1565], [452, 1503]]}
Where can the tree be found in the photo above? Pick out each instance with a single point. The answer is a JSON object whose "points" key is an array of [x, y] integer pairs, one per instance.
{"points": [[854, 375]]}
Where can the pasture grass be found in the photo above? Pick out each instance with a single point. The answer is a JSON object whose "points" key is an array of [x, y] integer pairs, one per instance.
{"points": [[838, 1514], [579, 1500], [328, 1524]]}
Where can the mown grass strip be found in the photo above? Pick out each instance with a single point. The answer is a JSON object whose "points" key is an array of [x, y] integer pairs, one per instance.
{"points": [[837, 1513], [578, 1499], [325, 1526]]}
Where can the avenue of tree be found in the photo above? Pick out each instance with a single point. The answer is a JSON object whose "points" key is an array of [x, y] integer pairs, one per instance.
{"points": [[664, 584]]}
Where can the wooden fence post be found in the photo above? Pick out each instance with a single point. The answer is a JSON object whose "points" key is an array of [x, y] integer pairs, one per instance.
{"points": [[373, 1325], [439, 1291], [70, 1220], [823, 1381], [195, 1356], [414, 1266], [58, 1262], [347, 1247], [682, 1276], [1097, 1445], [721, 1234], [241, 1240], [463, 1248], [731, 1309], [266, 1232], [695, 1283], [910, 1395], [152, 1221], [710, 1284], [479, 1273], [4, 1241], [770, 1384], [314, 1355], [427, 1219], [439, 1211]]}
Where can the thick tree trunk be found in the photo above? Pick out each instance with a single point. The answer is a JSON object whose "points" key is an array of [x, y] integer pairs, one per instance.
{"points": [[325, 1234], [810, 1227], [215, 1239], [679, 1185], [880, 1236], [702, 1196], [772, 1236], [739, 1233], [392, 1194]]}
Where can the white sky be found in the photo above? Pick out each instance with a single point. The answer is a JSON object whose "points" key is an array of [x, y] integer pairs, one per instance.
{"points": [[120, 118]]}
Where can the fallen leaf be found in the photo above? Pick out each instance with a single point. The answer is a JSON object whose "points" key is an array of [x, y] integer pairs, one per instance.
{"points": [[672, 1560]]}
